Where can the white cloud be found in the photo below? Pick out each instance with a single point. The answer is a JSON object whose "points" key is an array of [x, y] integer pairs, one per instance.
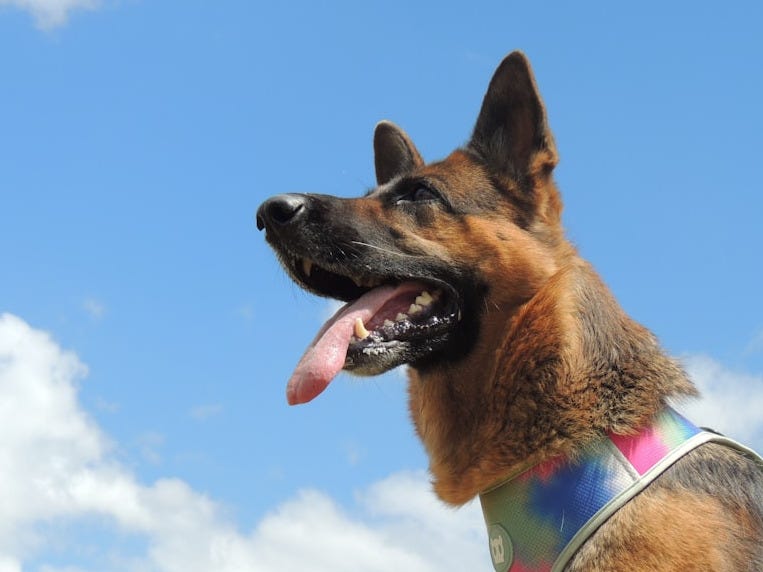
{"points": [[312, 532], [414, 519], [51, 13], [58, 466], [732, 402]]}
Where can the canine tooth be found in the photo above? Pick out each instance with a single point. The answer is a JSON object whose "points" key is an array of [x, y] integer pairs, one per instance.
{"points": [[360, 329], [414, 309], [307, 266], [401, 317], [388, 323]]}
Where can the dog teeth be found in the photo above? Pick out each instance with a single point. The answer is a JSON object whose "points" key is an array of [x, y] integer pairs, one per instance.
{"points": [[307, 266], [360, 329], [401, 317], [388, 323], [424, 299]]}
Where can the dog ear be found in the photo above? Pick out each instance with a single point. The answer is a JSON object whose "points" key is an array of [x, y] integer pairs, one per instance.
{"points": [[394, 152], [511, 133]]}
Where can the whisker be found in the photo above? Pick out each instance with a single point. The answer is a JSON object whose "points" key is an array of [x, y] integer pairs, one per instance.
{"points": [[392, 252]]}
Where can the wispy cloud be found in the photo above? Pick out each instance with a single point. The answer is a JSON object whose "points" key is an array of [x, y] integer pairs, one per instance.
{"points": [[246, 312], [94, 308], [354, 452], [106, 406], [756, 344], [51, 13], [149, 445], [204, 412]]}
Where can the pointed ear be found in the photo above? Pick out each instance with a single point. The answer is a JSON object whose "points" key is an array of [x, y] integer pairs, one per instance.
{"points": [[512, 134], [394, 152]]}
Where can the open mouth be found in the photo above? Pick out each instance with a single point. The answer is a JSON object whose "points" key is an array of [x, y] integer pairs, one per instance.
{"points": [[419, 308], [387, 321]]}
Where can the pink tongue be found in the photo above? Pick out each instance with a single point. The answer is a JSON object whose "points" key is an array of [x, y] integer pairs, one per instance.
{"points": [[325, 356]]}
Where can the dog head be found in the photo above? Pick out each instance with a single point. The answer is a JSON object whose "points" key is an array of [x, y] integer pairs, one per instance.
{"points": [[437, 254]]}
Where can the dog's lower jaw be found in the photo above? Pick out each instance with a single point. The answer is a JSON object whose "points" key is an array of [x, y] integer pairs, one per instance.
{"points": [[562, 384], [377, 360]]}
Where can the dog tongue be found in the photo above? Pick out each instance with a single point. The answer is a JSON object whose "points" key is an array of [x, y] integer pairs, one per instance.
{"points": [[325, 356]]}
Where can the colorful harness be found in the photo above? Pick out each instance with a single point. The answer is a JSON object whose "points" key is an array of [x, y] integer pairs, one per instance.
{"points": [[539, 518]]}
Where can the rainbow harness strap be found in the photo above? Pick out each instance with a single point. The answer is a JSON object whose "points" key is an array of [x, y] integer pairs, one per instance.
{"points": [[538, 519]]}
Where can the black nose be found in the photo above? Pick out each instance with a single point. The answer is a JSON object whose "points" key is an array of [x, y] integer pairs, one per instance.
{"points": [[281, 210]]}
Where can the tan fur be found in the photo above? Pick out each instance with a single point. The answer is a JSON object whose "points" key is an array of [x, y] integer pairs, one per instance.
{"points": [[666, 531]]}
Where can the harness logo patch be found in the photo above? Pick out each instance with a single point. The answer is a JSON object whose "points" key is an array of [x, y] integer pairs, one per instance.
{"points": [[501, 549]]}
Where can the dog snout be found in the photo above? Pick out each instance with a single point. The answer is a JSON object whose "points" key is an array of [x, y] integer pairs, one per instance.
{"points": [[281, 211]]}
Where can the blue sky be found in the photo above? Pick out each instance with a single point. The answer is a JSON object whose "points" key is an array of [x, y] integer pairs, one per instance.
{"points": [[147, 331]]}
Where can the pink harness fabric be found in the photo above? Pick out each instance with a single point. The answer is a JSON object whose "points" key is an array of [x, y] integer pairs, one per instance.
{"points": [[645, 450]]}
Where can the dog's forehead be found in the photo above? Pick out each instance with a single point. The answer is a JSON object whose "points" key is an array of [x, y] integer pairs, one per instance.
{"points": [[458, 173]]}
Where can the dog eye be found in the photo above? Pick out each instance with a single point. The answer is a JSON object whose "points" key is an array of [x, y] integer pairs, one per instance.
{"points": [[419, 194], [423, 194]]}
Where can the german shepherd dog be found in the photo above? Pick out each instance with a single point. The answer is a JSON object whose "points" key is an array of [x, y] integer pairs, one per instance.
{"points": [[517, 352]]}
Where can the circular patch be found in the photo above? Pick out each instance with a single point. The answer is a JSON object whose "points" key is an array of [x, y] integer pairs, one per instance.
{"points": [[501, 549]]}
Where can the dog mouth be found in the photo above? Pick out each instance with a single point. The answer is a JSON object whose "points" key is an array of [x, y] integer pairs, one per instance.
{"points": [[388, 320]]}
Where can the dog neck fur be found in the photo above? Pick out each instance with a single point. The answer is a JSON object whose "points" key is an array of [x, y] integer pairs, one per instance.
{"points": [[570, 367]]}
